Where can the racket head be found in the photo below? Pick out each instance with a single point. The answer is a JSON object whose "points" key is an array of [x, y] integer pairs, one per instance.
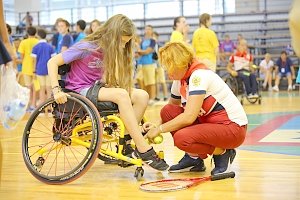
{"points": [[168, 185], [171, 184]]}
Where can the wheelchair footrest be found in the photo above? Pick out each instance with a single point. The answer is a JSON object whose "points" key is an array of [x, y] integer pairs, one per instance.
{"points": [[111, 162], [124, 164]]}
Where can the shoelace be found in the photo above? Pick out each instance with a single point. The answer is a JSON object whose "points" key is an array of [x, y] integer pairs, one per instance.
{"points": [[156, 157]]}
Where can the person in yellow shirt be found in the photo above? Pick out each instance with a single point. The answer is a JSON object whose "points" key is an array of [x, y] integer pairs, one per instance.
{"points": [[28, 70], [294, 18], [181, 29], [205, 42]]}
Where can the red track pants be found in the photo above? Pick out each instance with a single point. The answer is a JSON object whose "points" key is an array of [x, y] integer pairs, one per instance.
{"points": [[214, 130]]}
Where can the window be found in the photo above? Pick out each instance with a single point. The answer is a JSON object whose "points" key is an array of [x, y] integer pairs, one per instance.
{"points": [[10, 17], [229, 6], [133, 11], [163, 9], [44, 18], [190, 8], [66, 14], [87, 14], [101, 14], [9, 12], [61, 4], [211, 7]]}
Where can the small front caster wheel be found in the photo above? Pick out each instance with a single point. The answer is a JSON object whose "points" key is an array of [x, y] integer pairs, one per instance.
{"points": [[139, 173]]}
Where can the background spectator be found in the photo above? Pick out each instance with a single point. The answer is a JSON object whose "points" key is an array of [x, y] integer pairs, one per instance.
{"points": [[284, 68], [28, 19], [205, 42], [266, 68]]}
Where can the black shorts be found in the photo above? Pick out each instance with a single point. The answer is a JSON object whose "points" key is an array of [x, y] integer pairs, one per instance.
{"points": [[93, 91], [102, 106]]}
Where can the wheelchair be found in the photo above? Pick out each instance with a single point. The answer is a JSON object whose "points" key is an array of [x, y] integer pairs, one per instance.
{"points": [[60, 147], [238, 88]]}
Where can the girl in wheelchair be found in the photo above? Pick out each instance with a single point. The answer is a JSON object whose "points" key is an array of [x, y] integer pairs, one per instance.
{"points": [[241, 65], [106, 55]]}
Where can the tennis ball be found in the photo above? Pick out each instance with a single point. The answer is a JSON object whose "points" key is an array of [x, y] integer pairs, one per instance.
{"points": [[158, 139], [254, 66]]}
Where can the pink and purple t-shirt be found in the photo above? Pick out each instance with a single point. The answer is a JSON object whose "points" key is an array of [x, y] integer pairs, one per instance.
{"points": [[86, 65], [227, 46]]}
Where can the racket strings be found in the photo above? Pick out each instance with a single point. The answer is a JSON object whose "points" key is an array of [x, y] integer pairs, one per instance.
{"points": [[169, 185]]}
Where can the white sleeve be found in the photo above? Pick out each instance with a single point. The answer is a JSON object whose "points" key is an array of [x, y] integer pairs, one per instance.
{"points": [[261, 64], [199, 82], [175, 90]]}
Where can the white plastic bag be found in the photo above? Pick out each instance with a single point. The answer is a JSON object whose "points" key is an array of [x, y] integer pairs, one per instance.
{"points": [[13, 98]]}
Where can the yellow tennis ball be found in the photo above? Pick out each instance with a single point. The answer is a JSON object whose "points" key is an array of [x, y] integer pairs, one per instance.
{"points": [[254, 66], [158, 139]]}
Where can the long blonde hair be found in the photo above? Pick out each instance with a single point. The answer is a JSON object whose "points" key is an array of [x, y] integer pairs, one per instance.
{"points": [[117, 60], [176, 56]]}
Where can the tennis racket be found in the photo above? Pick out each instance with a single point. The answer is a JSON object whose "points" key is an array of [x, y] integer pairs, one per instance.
{"points": [[181, 183]]}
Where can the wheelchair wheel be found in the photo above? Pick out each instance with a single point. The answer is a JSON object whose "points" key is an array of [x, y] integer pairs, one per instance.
{"points": [[232, 83], [60, 147], [253, 101]]}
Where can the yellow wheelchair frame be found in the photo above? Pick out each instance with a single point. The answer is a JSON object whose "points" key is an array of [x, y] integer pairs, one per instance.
{"points": [[51, 146]]}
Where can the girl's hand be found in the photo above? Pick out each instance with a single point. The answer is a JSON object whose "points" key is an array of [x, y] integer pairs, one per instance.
{"points": [[186, 29], [59, 96], [233, 73], [152, 133], [147, 126]]}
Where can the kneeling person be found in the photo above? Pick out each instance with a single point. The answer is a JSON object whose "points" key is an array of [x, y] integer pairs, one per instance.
{"points": [[200, 114]]}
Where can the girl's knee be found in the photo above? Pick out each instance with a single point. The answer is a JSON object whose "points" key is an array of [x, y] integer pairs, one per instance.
{"points": [[121, 95], [141, 95]]}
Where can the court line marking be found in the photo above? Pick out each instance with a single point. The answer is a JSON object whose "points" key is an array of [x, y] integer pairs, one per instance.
{"points": [[17, 137]]}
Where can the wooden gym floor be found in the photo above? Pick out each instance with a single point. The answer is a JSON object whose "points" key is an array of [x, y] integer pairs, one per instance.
{"points": [[266, 166]]}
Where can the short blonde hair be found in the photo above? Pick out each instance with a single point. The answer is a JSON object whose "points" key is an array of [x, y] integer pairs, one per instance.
{"points": [[243, 41], [267, 55], [176, 55]]}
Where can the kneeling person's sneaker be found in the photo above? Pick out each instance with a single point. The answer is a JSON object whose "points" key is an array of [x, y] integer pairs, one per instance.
{"points": [[223, 162], [187, 164], [151, 158]]}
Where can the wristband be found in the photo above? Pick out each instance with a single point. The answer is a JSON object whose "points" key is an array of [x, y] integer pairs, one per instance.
{"points": [[58, 87], [160, 128]]}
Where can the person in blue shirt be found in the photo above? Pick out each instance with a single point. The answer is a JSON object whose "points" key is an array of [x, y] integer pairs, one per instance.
{"points": [[57, 36], [4, 55], [147, 63], [17, 42], [65, 40], [41, 53], [9, 31], [80, 27], [284, 68]]}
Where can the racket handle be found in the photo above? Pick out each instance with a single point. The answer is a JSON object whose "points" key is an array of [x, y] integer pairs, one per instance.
{"points": [[222, 176]]}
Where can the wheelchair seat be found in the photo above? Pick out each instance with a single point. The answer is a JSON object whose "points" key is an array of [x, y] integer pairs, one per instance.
{"points": [[104, 107]]}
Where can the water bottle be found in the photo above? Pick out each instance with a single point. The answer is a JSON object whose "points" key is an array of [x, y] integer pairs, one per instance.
{"points": [[14, 112]]}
